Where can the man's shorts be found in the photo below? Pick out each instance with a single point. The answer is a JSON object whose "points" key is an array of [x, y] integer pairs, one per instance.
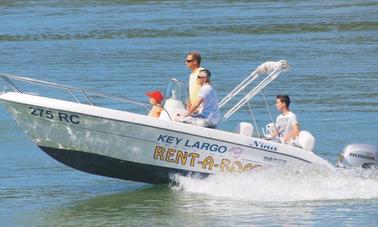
{"points": [[198, 120]]}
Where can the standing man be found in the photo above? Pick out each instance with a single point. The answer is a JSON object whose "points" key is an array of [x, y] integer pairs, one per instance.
{"points": [[204, 110], [193, 62], [287, 127]]}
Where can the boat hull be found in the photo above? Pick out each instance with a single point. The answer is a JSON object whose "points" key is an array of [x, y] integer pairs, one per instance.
{"points": [[135, 147], [116, 168]]}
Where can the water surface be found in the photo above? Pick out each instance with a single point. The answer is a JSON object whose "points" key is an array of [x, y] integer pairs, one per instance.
{"points": [[129, 47]]}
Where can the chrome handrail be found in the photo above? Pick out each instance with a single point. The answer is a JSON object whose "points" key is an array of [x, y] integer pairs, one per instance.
{"points": [[178, 82], [8, 78]]}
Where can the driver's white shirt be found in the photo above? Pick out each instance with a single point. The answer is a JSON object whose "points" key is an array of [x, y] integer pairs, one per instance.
{"points": [[284, 124]]}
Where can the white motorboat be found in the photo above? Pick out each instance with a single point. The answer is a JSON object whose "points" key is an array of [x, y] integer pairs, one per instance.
{"points": [[132, 146]]}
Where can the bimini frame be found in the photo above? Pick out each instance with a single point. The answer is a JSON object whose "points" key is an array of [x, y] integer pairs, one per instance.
{"points": [[272, 69]]}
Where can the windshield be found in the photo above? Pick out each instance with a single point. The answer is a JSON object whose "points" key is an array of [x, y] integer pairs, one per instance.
{"points": [[176, 90]]}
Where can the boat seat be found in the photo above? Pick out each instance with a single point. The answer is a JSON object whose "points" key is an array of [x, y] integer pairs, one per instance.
{"points": [[306, 140], [245, 129]]}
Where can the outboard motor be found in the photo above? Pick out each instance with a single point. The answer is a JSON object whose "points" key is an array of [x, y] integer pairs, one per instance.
{"points": [[358, 155]]}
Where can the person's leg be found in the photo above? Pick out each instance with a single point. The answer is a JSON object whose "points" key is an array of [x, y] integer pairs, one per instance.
{"points": [[195, 120], [209, 124]]}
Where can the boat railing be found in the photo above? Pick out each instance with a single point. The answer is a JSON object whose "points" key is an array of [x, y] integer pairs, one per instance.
{"points": [[84, 92], [179, 82], [270, 68]]}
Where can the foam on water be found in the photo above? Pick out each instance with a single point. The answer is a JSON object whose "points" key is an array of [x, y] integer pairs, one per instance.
{"points": [[278, 184]]}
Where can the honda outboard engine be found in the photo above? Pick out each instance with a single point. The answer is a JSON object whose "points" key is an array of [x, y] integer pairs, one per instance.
{"points": [[358, 155]]}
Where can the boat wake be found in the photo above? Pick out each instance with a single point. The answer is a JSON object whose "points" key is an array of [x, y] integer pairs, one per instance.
{"points": [[285, 183]]}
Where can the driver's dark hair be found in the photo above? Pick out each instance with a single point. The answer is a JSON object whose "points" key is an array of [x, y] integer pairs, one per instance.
{"points": [[285, 99]]}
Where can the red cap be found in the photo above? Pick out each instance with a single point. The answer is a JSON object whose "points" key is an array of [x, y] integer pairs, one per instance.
{"points": [[157, 95]]}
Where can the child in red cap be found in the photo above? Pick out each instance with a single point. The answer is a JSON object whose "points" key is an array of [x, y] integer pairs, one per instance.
{"points": [[156, 97]]}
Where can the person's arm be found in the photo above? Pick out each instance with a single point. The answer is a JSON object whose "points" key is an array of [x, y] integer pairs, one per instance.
{"points": [[188, 104], [293, 133], [194, 106], [274, 133], [155, 111]]}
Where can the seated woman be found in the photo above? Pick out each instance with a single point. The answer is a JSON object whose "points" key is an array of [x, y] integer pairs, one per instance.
{"points": [[156, 97]]}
